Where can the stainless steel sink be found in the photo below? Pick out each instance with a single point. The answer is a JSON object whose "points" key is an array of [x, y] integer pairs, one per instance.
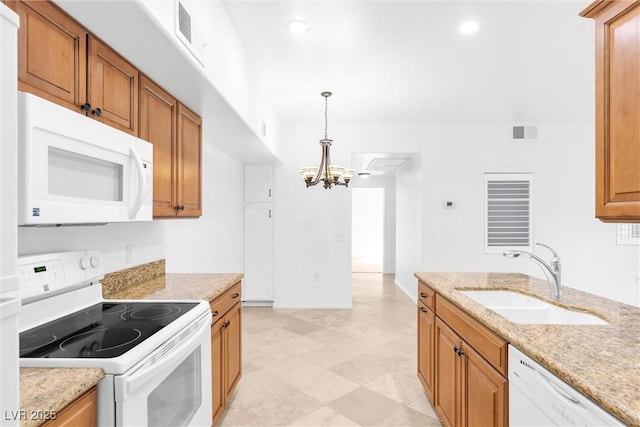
{"points": [[521, 308]]}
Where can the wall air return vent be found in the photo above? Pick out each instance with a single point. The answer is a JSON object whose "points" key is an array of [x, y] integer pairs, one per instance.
{"points": [[187, 30], [509, 212], [184, 22]]}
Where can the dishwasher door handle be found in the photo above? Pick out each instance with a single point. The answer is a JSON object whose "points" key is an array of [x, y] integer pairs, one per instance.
{"points": [[557, 390]]}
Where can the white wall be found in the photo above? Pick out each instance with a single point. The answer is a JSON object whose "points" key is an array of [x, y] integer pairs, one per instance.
{"points": [[454, 157], [312, 228], [214, 242], [227, 66], [409, 224], [388, 183], [367, 223]]}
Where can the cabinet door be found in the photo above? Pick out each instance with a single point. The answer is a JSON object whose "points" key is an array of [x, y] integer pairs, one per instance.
{"points": [[158, 112], [426, 348], [81, 412], [618, 112], [189, 162], [484, 392], [448, 372], [217, 369], [258, 183], [113, 88], [232, 348], [52, 54], [258, 253]]}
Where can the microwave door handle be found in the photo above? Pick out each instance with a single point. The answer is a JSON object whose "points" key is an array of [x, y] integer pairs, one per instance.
{"points": [[137, 202]]}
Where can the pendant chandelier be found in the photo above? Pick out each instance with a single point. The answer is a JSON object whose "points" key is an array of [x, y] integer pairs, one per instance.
{"points": [[328, 174]]}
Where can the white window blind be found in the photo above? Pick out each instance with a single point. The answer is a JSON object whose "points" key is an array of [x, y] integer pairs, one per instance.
{"points": [[508, 212]]}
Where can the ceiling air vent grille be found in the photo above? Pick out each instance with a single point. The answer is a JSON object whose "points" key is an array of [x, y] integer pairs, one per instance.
{"points": [[184, 22], [508, 212], [187, 29]]}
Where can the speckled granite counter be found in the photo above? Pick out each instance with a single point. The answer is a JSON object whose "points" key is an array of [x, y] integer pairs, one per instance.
{"points": [[206, 286], [43, 390], [601, 361]]}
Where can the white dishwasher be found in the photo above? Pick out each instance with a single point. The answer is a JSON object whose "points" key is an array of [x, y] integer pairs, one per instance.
{"points": [[539, 398]]}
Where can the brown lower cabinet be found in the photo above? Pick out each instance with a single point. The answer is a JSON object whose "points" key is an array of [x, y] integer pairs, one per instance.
{"points": [[82, 412], [226, 348], [462, 366]]}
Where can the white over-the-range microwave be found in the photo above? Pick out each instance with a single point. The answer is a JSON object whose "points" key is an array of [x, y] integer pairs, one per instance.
{"points": [[73, 169]]}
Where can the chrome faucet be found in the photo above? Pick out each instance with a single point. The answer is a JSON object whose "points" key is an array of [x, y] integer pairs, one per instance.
{"points": [[551, 270]]}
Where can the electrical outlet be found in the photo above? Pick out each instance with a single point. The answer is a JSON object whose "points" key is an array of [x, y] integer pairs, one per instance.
{"points": [[129, 253]]}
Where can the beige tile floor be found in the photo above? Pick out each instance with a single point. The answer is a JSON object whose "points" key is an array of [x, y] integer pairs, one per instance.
{"points": [[333, 367]]}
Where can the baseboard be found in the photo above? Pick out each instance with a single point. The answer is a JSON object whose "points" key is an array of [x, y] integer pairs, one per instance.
{"points": [[405, 290], [257, 303], [295, 305]]}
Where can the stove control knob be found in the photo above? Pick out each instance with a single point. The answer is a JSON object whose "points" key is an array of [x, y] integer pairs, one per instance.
{"points": [[95, 261], [84, 263]]}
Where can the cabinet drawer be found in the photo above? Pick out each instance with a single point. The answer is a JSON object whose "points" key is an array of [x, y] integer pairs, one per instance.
{"points": [[224, 302], [486, 343], [427, 296]]}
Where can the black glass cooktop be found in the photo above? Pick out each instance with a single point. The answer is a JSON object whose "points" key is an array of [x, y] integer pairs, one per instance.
{"points": [[103, 330]]}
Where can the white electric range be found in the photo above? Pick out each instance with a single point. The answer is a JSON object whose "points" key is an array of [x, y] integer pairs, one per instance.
{"points": [[156, 354]]}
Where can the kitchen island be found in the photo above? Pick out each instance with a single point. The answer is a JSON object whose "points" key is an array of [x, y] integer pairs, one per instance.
{"points": [[601, 361]]}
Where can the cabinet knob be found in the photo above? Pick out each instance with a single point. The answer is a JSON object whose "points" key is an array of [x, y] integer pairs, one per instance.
{"points": [[179, 207], [215, 313], [226, 324], [97, 112], [86, 107], [269, 192], [236, 295], [422, 309], [423, 295]]}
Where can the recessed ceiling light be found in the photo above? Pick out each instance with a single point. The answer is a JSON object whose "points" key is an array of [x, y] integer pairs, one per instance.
{"points": [[298, 26], [364, 175], [469, 27]]}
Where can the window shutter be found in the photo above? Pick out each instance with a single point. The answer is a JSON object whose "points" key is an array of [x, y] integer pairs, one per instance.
{"points": [[508, 212]]}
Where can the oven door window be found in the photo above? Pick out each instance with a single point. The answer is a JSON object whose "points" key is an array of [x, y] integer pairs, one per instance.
{"points": [[176, 399]]}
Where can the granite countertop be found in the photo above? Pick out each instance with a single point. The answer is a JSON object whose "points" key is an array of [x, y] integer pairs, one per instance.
{"points": [[203, 286], [44, 391], [602, 361]]}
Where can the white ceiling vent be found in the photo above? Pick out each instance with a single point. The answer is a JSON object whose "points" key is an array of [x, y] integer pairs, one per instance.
{"points": [[386, 164], [508, 212], [525, 132], [187, 31]]}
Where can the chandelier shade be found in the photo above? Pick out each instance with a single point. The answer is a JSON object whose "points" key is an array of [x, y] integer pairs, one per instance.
{"points": [[327, 173]]}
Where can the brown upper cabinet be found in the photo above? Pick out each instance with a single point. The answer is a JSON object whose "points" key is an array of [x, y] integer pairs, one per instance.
{"points": [[59, 60], [189, 162], [52, 54], [113, 88], [175, 133], [617, 109]]}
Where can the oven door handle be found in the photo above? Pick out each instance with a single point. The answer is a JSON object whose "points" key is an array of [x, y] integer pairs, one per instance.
{"points": [[171, 353]]}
